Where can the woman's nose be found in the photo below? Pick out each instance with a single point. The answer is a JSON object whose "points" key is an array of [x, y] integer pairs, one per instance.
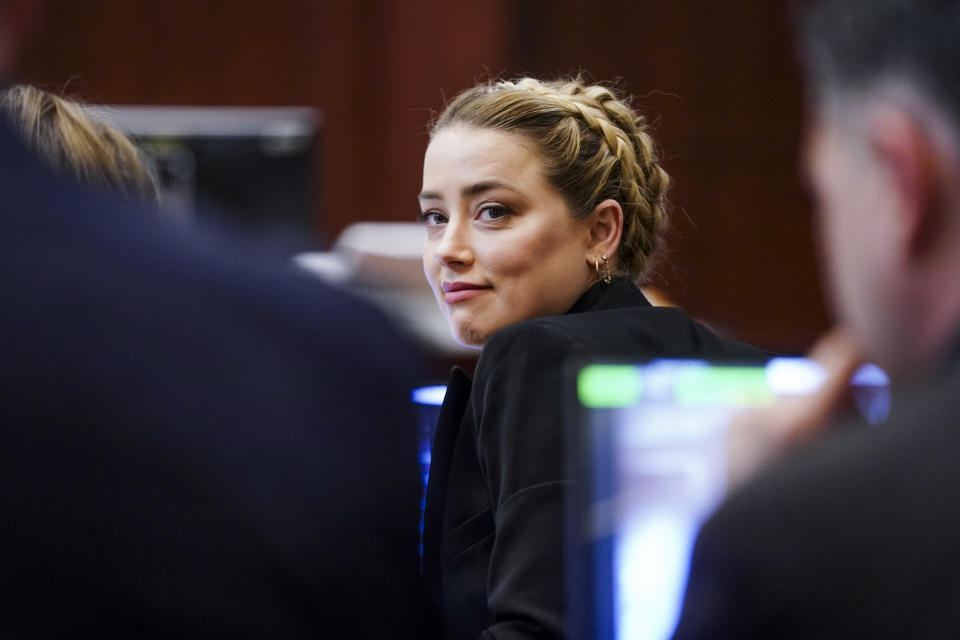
{"points": [[454, 246]]}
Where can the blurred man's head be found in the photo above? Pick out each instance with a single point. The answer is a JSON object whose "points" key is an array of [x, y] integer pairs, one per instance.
{"points": [[883, 155]]}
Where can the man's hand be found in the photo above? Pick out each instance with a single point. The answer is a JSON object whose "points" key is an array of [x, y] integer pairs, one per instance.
{"points": [[759, 436]]}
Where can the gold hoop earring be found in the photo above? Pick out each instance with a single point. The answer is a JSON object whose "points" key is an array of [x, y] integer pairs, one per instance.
{"points": [[604, 275]]}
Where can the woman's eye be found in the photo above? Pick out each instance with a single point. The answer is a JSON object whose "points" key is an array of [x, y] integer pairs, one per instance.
{"points": [[432, 218], [494, 211]]}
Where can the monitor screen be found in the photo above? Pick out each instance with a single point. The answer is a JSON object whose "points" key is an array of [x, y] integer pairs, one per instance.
{"points": [[254, 167], [652, 456]]}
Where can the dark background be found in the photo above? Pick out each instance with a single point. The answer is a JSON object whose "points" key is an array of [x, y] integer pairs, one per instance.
{"points": [[718, 79]]}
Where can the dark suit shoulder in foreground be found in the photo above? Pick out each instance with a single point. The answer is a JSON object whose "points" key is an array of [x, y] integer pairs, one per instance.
{"points": [[854, 538], [195, 442]]}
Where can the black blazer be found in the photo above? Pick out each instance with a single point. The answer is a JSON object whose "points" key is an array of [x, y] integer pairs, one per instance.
{"points": [[857, 536], [493, 539], [194, 441]]}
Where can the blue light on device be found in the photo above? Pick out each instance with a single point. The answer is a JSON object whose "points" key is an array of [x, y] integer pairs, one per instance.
{"points": [[430, 396], [427, 402]]}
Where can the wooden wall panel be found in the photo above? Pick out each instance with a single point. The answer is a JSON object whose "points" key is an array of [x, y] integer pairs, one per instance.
{"points": [[204, 52], [430, 50]]}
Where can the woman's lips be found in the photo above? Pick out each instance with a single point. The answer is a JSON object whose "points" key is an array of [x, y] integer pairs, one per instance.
{"points": [[454, 292]]}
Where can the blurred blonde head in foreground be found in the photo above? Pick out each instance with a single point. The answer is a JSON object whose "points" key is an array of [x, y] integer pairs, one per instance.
{"points": [[78, 144]]}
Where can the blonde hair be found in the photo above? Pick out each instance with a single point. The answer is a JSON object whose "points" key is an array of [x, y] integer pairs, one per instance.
{"points": [[78, 144], [593, 145]]}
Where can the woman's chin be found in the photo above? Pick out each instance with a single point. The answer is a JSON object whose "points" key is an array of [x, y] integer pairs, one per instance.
{"points": [[469, 337]]}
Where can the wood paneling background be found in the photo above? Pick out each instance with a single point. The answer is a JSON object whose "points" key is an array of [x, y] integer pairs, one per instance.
{"points": [[717, 79]]}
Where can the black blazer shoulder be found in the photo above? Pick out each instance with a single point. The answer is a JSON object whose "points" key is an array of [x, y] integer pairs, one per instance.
{"points": [[517, 391], [614, 320]]}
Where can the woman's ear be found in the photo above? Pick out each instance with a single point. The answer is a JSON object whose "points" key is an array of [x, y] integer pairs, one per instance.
{"points": [[605, 226]]}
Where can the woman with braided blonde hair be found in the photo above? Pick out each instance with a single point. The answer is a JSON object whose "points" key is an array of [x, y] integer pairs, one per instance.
{"points": [[545, 207]]}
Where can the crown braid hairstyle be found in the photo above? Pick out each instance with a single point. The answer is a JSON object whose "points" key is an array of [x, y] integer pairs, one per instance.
{"points": [[594, 147]]}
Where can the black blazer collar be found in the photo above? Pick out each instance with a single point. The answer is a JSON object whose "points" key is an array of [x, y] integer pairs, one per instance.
{"points": [[448, 425], [621, 292]]}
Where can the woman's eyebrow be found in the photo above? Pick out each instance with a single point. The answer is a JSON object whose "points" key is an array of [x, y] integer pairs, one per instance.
{"points": [[486, 185], [470, 190]]}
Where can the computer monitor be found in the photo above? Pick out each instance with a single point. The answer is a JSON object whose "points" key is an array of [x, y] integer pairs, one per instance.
{"points": [[649, 446], [255, 167]]}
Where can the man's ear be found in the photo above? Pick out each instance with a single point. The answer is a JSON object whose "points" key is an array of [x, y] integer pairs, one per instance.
{"points": [[909, 161], [605, 226]]}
